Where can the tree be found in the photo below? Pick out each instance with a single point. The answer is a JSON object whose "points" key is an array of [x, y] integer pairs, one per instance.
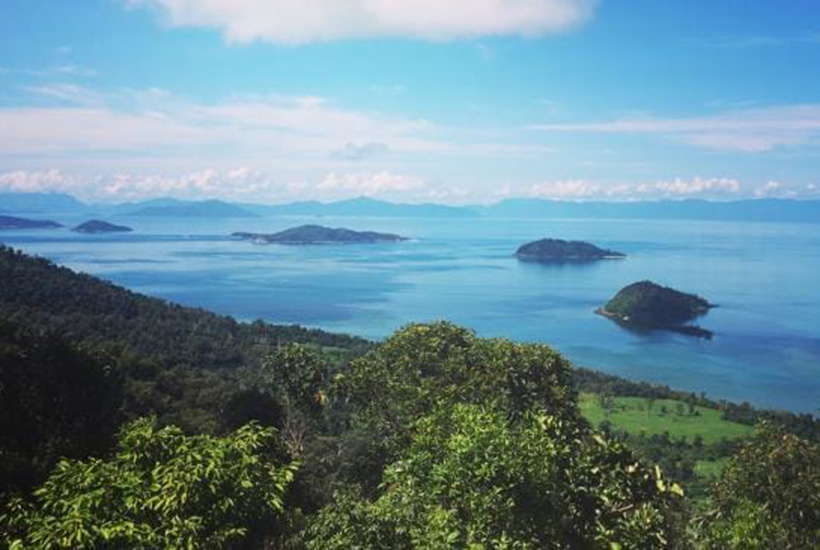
{"points": [[161, 489], [296, 377], [423, 366], [55, 401], [768, 496], [474, 478]]}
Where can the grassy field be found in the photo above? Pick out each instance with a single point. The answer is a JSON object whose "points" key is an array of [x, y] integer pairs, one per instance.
{"points": [[710, 469], [634, 415]]}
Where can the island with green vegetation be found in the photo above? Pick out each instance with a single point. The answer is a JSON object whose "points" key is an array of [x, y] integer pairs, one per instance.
{"points": [[647, 305], [98, 226], [557, 250], [317, 234], [12, 222]]}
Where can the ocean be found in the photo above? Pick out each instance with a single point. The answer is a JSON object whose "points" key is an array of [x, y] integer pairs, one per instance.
{"points": [[763, 276]]}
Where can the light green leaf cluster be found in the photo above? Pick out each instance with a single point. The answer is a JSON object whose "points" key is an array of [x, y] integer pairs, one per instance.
{"points": [[472, 478], [162, 489]]}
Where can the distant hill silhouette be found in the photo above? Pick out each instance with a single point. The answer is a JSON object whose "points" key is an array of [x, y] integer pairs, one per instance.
{"points": [[194, 209], [13, 222]]}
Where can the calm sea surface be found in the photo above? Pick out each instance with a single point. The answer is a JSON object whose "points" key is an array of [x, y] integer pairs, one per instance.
{"points": [[764, 276]]}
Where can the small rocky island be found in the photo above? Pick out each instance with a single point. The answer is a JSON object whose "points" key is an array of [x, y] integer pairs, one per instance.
{"points": [[12, 222], [647, 305], [97, 226], [557, 250], [317, 234]]}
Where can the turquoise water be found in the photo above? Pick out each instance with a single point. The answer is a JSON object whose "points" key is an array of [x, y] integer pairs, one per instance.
{"points": [[764, 277]]}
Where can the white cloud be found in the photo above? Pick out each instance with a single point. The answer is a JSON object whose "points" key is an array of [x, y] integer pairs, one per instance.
{"points": [[745, 130], [782, 190], [562, 189], [360, 151], [74, 70], [239, 184], [64, 92], [369, 184], [695, 187], [580, 189], [65, 120], [81, 121], [35, 182], [303, 21], [248, 185]]}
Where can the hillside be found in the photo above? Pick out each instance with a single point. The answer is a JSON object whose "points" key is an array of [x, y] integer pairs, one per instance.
{"points": [[95, 312]]}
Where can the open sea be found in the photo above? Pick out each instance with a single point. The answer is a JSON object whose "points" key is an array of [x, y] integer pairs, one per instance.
{"points": [[765, 277]]}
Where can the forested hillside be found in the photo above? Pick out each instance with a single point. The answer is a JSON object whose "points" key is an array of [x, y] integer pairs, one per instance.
{"points": [[93, 312]]}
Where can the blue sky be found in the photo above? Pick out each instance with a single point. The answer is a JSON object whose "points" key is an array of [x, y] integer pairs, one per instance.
{"points": [[425, 100]]}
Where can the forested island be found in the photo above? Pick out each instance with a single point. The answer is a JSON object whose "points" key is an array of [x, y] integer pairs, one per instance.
{"points": [[647, 305], [13, 222], [317, 234], [98, 226], [130, 422], [557, 250]]}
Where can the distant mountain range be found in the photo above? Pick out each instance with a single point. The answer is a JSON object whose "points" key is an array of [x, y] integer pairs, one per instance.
{"points": [[39, 203], [193, 209], [763, 210], [782, 210], [361, 207]]}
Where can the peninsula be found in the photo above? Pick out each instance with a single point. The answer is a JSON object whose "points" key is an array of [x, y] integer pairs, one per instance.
{"points": [[557, 250], [647, 305], [97, 226], [317, 234], [11, 222]]}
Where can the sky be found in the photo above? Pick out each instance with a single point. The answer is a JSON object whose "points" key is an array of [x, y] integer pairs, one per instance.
{"points": [[461, 102]]}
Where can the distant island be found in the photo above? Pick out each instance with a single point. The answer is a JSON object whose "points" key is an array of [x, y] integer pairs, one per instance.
{"points": [[557, 250], [647, 305], [317, 234], [11, 222], [97, 226]]}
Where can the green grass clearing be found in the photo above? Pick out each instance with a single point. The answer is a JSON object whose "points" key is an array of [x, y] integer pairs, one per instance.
{"points": [[633, 415], [711, 469]]}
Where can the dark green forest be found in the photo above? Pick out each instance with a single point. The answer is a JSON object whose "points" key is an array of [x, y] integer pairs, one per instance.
{"points": [[130, 422]]}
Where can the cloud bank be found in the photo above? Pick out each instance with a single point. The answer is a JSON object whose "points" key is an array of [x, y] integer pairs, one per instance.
{"points": [[304, 21], [744, 130], [247, 185]]}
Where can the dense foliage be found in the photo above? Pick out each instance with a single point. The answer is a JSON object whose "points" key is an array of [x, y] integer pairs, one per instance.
{"points": [[472, 478], [423, 366], [94, 312], [769, 496], [161, 489], [55, 401], [485, 449]]}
